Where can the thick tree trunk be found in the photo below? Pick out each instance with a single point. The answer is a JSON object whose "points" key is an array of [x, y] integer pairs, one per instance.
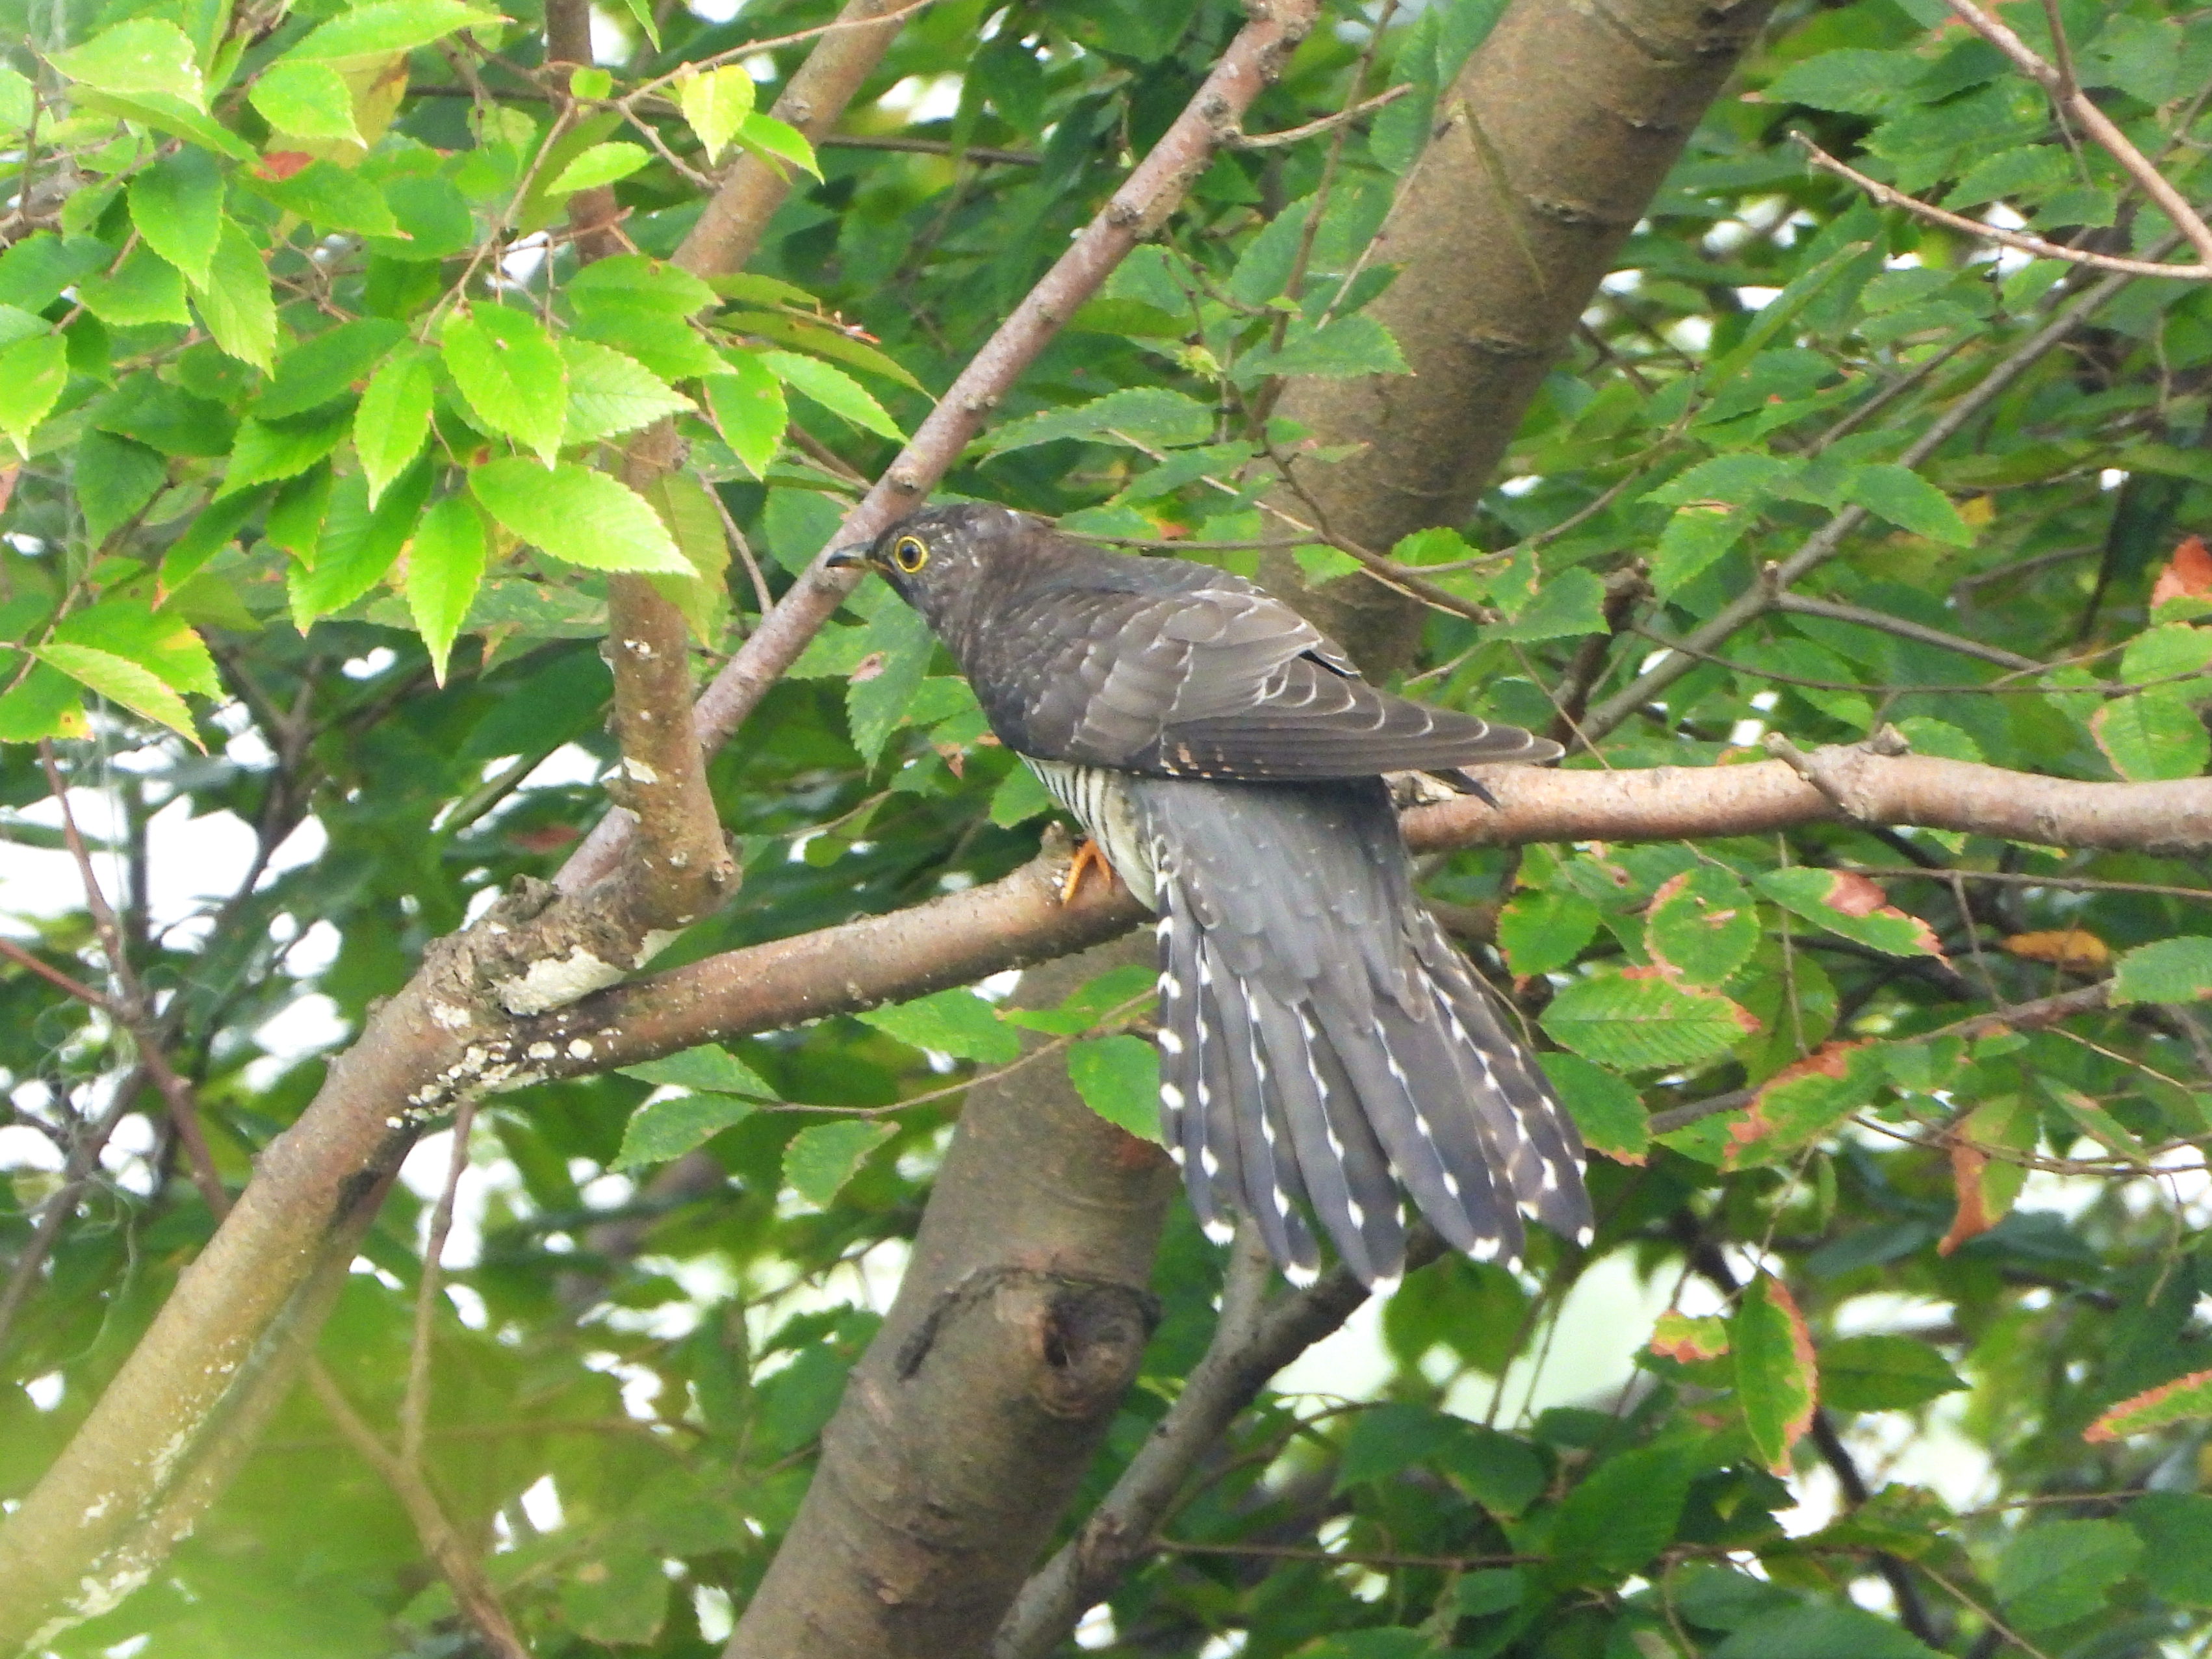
{"points": [[1547, 151], [969, 1422]]}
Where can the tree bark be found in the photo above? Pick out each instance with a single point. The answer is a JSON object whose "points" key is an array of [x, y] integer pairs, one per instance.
{"points": [[969, 1422], [1547, 151]]}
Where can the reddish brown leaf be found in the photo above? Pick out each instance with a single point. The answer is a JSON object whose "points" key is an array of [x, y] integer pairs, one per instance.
{"points": [[2074, 949], [1855, 896], [2188, 573], [282, 164], [2177, 1401], [1678, 1336]]}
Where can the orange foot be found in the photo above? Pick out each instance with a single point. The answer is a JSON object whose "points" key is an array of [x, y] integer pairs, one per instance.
{"points": [[1087, 857]]}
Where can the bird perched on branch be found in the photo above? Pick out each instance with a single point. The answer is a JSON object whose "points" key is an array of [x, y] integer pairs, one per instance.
{"points": [[1318, 1033]]}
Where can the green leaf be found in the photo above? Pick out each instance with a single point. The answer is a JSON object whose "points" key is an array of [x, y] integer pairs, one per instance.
{"points": [[1803, 1102], [294, 520], [1119, 1079], [2058, 1571], [662, 1131], [1854, 80], [610, 393], [614, 1594], [956, 1022], [33, 373], [2149, 735], [34, 271], [207, 536], [264, 453], [325, 367], [144, 55], [765, 136], [513, 376], [2185, 1399], [394, 417], [122, 681], [1821, 1631], [2166, 971], [2160, 653], [358, 544], [329, 198], [146, 289], [1851, 906], [1776, 1378], [602, 164], [708, 1069], [166, 417], [1623, 1515], [1338, 350], [579, 516], [1569, 605], [44, 704], [1605, 1107], [834, 389], [445, 566], [1905, 499], [633, 281], [161, 643], [306, 100], [18, 98], [2176, 1528], [1883, 1374], [1738, 479], [1634, 1018], [165, 113], [1697, 534], [747, 407], [235, 302], [1701, 925], [819, 1161], [898, 646], [1147, 415], [1019, 796], [113, 478], [177, 206], [1540, 931], [715, 105], [383, 27]]}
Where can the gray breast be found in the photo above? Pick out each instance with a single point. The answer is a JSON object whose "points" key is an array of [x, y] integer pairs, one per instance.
{"points": [[1098, 797]]}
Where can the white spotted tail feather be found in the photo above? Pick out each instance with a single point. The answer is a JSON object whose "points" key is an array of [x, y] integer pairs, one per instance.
{"points": [[1321, 1041]]}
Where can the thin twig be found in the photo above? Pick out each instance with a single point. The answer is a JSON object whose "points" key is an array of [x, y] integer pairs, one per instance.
{"points": [[1314, 129], [415, 1404]]}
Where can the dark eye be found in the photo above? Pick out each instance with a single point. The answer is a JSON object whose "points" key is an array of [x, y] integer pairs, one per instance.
{"points": [[909, 554]]}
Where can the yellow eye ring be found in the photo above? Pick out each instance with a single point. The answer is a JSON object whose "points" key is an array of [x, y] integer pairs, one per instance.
{"points": [[908, 553]]}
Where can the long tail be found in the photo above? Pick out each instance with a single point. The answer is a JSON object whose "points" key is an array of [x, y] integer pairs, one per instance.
{"points": [[1321, 1041]]}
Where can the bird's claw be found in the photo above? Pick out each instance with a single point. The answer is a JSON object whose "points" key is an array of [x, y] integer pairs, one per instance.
{"points": [[1088, 855]]}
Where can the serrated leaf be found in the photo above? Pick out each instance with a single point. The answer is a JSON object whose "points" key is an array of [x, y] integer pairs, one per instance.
{"points": [[1909, 500], [177, 206], [1821, 1631], [765, 136], [1694, 537], [898, 646], [707, 1069], [445, 567], [662, 1131], [715, 105], [834, 389], [1019, 796], [113, 478], [121, 681], [602, 164], [1540, 931], [1634, 1019], [611, 393], [1883, 1374], [2185, 1399], [384, 28], [1702, 926], [1854, 79], [145, 290], [1345, 347], [638, 281], [390, 427], [513, 376], [2058, 1571], [1851, 906], [748, 409], [1605, 1107], [141, 56], [1738, 479], [358, 545], [1776, 1377], [2166, 971], [2176, 1528], [956, 1022], [1803, 1102], [329, 198], [2149, 735], [306, 100], [579, 516], [1985, 1181], [235, 302], [265, 454], [1119, 1079], [208, 535], [325, 367], [1146, 414], [33, 373], [1623, 1513], [819, 1161], [1680, 1337]]}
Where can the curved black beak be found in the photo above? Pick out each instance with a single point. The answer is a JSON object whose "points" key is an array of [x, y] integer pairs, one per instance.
{"points": [[854, 557]]}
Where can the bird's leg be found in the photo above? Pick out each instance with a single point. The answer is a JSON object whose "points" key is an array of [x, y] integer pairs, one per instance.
{"points": [[1088, 855]]}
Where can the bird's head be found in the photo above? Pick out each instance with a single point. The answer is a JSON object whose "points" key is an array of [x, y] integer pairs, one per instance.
{"points": [[939, 559]]}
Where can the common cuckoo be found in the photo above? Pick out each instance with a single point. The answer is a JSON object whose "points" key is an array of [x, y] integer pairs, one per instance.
{"points": [[1319, 1035]]}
